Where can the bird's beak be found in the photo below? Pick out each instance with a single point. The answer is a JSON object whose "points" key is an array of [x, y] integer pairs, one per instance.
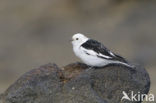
{"points": [[71, 40]]}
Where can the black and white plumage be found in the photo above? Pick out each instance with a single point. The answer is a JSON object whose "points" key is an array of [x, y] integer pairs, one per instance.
{"points": [[93, 53]]}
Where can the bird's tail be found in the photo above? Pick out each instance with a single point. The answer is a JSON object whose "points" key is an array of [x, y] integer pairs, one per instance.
{"points": [[124, 64], [120, 58]]}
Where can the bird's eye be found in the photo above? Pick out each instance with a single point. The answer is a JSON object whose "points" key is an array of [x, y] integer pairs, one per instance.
{"points": [[77, 38]]}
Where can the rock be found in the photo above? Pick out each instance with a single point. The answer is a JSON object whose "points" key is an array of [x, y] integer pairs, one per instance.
{"points": [[36, 86], [75, 83]]}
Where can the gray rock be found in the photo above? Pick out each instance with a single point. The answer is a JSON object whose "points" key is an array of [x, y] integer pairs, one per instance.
{"points": [[75, 83]]}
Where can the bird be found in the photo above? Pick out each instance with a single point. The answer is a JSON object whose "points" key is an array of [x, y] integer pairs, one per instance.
{"points": [[94, 53]]}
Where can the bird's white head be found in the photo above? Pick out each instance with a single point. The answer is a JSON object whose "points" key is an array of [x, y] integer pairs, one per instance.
{"points": [[78, 39]]}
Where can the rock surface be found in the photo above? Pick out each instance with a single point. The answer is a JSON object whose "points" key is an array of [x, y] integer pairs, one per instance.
{"points": [[76, 83]]}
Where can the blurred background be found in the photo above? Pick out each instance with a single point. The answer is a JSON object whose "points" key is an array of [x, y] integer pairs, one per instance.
{"points": [[37, 32]]}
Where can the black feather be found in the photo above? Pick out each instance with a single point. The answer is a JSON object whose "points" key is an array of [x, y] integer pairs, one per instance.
{"points": [[100, 48]]}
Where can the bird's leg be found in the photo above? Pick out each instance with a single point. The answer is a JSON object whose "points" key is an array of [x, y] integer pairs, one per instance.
{"points": [[91, 67]]}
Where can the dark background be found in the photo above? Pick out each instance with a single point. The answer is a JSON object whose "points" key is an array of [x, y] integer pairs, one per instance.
{"points": [[36, 32]]}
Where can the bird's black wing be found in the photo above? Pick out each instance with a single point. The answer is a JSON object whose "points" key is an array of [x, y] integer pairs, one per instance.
{"points": [[101, 50]]}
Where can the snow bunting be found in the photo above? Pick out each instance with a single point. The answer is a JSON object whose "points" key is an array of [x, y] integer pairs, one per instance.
{"points": [[93, 53]]}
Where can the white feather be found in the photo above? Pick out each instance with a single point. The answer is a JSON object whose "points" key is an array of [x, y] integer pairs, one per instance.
{"points": [[90, 57]]}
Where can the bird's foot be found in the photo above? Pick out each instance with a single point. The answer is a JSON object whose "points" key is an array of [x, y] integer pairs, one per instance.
{"points": [[91, 67]]}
